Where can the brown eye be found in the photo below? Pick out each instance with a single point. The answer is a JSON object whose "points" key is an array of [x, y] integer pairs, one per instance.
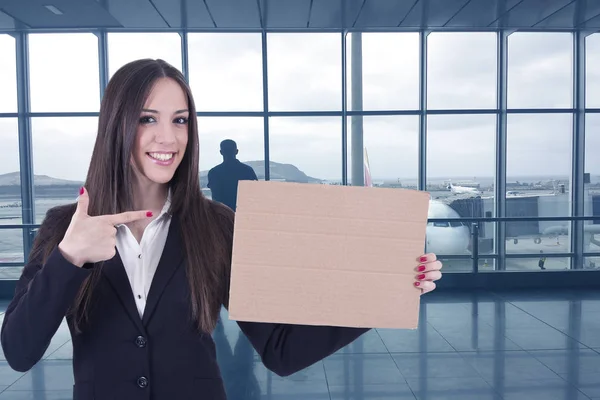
{"points": [[147, 120]]}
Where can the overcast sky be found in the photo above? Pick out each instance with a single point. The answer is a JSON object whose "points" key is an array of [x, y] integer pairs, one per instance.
{"points": [[305, 75]]}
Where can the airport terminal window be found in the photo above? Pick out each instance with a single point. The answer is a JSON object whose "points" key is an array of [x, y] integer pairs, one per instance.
{"points": [[592, 78], [247, 132], [461, 70], [392, 147], [8, 75], [304, 75], [126, 47], [11, 240], [306, 150], [64, 72], [226, 71], [390, 71], [59, 170], [304, 71], [540, 70], [538, 176]]}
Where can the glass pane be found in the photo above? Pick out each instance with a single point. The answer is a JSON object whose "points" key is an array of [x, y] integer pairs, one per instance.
{"points": [[591, 235], [306, 150], [11, 241], [461, 70], [461, 168], [538, 176], [127, 47], [592, 262], [62, 149], [540, 70], [541, 263], [305, 71], [247, 132], [8, 74], [592, 78], [592, 144], [390, 71], [464, 264], [461, 154], [64, 72], [226, 71], [384, 138]]}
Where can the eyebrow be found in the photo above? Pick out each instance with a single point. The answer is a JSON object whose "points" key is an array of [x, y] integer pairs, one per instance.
{"points": [[156, 112]]}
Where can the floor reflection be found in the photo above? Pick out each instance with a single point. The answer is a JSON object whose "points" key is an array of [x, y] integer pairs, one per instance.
{"points": [[237, 364], [479, 345]]}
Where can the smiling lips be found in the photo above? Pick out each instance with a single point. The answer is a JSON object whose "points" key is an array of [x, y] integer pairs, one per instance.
{"points": [[161, 158]]}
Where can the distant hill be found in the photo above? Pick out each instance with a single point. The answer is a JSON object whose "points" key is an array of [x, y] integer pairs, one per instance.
{"points": [[14, 179], [278, 171], [46, 186]]}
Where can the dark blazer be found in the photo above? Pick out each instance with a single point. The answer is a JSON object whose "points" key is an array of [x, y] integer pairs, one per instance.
{"points": [[160, 356]]}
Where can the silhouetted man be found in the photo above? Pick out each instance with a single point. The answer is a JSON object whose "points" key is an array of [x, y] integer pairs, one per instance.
{"points": [[223, 179]]}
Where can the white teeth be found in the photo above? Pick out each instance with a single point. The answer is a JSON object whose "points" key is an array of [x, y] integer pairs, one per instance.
{"points": [[161, 156]]}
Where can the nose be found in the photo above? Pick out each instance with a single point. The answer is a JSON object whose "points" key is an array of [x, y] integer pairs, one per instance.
{"points": [[165, 133]]}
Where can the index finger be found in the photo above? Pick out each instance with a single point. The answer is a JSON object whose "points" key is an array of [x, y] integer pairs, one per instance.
{"points": [[126, 217]]}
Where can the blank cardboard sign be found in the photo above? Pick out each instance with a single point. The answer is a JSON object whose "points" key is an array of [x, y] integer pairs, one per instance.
{"points": [[327, 255]]}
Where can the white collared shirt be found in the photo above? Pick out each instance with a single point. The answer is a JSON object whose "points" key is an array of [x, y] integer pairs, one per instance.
{"points": [[141, 259]]}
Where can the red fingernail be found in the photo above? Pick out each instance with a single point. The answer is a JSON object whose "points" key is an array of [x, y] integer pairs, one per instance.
{"points": [[421, 277], [149, 214], [421, 268], [423, 259], [80, 191], [417, 283]]}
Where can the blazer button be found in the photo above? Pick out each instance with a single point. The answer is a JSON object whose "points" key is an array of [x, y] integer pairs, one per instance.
{"points": [[140, 341], [142, 382]]}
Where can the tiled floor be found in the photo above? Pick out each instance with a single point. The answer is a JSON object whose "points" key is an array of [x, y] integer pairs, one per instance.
{"points": [[479, 346]]}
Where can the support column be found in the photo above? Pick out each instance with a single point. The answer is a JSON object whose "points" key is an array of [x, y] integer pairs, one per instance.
{"points": [[344, 110], [501, 134], [102, 60], [266, 105], [422, 184], [185, 64], [357, 149], [25, 145], [578, 149]]}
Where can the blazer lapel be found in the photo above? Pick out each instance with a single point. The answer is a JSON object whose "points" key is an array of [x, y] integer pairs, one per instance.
{"points": [[170, 260], [115, 272]]}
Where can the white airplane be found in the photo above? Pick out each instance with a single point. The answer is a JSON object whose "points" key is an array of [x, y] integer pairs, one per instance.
{"points": [[462, 189], [449, 238], [444, 238]]}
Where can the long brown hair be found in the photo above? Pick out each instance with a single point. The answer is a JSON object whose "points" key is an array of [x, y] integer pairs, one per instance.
{"points": [[204, 232]]}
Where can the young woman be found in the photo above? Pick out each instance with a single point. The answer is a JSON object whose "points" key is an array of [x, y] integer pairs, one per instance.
{"points": [[142, 290]]}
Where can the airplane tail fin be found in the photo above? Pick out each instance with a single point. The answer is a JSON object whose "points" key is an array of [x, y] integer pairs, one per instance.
{"points": [[368, 180]]}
